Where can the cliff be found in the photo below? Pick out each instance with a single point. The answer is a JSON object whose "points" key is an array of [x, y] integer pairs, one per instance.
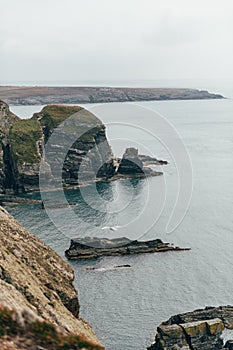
{"points": [[23, 141], [35, 95], [38, 302], [197, 330], [77, 153], [7, 120]]}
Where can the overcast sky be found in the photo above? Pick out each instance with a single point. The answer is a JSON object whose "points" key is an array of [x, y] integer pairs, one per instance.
{"points": [[115, 39]]}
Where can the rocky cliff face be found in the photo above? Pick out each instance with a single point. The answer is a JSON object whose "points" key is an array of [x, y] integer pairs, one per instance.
{"points": [[7, 120], [23, 141], [38, 302]]}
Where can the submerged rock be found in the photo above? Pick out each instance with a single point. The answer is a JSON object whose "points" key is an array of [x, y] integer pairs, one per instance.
{"points": [[115, 267], [89, 247]]}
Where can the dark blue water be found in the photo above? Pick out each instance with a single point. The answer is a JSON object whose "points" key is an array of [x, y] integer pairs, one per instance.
{"points": [[125, 305]]}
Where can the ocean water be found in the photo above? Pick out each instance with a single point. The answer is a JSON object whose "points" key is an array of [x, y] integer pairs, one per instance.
{"points": [[125, 305]]}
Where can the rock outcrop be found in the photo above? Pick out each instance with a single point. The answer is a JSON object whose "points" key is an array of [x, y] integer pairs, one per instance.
{"points": [[201, 335], [225, 313], [93, 247], [197, 330], [130, 162], [133, 164], [37, 298]]}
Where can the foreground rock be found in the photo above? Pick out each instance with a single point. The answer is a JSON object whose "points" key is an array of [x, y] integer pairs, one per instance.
{"points": [[36, 95], [89, 247], [38, 302], [203, 335], [197, 330]]}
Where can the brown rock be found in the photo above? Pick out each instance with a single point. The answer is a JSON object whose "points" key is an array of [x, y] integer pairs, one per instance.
{"points": [[36, 283]]}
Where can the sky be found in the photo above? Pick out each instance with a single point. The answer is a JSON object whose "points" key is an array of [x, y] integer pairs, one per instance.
{"points": [[102, 40]]}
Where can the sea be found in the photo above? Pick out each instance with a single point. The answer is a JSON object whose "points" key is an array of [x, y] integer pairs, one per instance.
{"points": [[190, 205]]}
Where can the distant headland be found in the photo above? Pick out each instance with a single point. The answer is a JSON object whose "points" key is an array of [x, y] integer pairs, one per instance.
{"points": [[40, 95]]}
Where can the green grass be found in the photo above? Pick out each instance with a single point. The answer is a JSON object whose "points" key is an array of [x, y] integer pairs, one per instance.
{"points": [[23, 136], [52, 116], [7, 323], [41, 333]]}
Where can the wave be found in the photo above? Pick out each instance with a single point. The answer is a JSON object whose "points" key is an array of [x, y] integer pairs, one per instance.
{"points": [[111, 228]]}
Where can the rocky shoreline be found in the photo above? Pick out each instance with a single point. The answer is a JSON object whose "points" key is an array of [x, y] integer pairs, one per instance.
{"points": [[41, 95], [94, 247]]}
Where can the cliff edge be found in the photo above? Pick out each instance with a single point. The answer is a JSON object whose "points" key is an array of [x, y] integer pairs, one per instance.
{"points": [[38, 301]]}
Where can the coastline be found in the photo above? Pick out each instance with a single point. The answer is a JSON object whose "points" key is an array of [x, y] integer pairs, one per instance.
{"points": [[40, 95]]}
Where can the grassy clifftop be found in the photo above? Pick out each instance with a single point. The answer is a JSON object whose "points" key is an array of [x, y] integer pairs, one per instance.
{"points": [[80, 121], [53, 115]]}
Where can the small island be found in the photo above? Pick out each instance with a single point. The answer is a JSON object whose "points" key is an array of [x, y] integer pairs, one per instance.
{"points": [[94, 247]]}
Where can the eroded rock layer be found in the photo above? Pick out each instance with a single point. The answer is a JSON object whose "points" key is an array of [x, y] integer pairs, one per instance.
{"points": [[198, 330]]}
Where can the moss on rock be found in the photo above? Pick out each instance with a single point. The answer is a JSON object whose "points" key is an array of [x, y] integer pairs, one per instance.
{"points": [[24, 136]]}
